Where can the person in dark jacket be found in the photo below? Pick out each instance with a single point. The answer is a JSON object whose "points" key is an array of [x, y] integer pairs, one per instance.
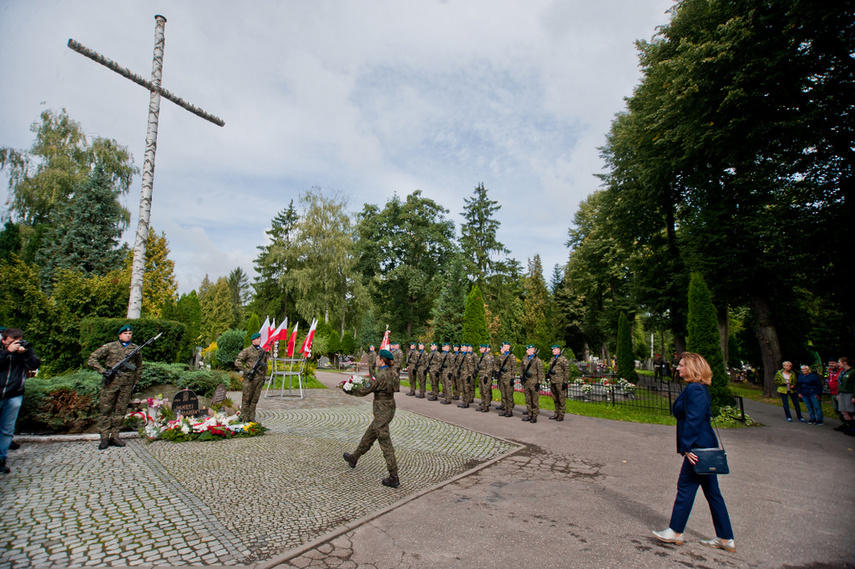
{"points": [[693, 411], [809, 388], [17, 357]]}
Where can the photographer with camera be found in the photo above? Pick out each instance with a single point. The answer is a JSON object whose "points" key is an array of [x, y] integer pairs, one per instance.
{"points": [[17, 357]]}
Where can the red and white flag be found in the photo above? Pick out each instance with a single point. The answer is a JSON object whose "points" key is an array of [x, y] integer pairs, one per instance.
{"points": [[265, 331], [307, 343], [279, 335], [292, 341], [384, 345]]}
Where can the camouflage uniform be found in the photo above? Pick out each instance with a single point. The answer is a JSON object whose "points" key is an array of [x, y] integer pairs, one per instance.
{"points": [[114, 398], [484, 369], [372, 363], [251, 391], [412, 358], [454, 375], [558, 373], [384, 389], [397, 365], [423, 363], [434, 371], [508, 362], [531, 378]]}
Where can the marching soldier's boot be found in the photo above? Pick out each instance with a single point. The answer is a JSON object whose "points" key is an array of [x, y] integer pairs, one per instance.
{"points": [[445, 402], [350, 459], [532, 420], [412, 392], [104, 444], [115, 441], [391, 481]]}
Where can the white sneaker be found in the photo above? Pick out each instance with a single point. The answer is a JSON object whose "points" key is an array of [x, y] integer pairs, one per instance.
{"points": [[719, 543], [669, 536]]}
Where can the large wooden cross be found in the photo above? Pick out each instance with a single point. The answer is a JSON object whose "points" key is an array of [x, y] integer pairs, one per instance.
{"points": [[138, 268]]}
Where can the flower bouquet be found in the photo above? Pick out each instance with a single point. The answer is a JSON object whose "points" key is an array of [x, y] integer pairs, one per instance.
{"points": [[353, 383], [182, 429]]}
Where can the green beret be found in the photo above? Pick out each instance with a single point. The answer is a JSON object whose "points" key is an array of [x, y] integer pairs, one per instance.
{"points": [[413, 342], [434, 344], [446, 344], [529, 346], [387, 354], [556, 346], [485, 345], [125, 328], [254, 336], [506, 343]]}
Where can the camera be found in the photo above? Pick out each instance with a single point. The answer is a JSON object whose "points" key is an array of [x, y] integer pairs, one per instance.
{"points": [[23, 343]]}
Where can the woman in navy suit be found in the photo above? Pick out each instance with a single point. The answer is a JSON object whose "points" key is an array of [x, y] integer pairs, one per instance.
{"points": [[693, 413]]}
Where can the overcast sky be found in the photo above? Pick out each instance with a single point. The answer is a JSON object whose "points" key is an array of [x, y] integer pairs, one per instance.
{"points": [[371, 98]]}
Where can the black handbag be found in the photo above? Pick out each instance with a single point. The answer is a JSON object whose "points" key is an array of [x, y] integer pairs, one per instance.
{"points": [[711, 460]]}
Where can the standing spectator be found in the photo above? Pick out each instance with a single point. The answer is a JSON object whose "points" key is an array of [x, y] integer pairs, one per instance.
{"points": [[16, 358], [693, 411], [675, 361], [115, 396], [785, 379], [846, 394], [831, 381], [809, 388]]}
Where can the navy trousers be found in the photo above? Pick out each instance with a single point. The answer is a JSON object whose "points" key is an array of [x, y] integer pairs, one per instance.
{"points": [[687, 488]]}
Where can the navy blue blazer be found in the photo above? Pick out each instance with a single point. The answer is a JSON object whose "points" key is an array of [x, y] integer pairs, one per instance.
{"points": [[692, 411]]}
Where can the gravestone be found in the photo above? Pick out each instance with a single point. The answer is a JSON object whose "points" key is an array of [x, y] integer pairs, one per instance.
{"points": [[219, 395], [324, 362], [185, 403]]}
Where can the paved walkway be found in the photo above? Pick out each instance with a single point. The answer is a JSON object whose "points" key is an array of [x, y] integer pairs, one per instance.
{"points": [[478, 490]]}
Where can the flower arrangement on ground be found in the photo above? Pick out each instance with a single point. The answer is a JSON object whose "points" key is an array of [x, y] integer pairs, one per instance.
{"points": [[168, 427], [353, 383]]}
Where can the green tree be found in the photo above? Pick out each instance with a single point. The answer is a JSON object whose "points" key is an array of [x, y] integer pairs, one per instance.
{"points": [[159, 284], [537, 305], [187, 311], [43, 179], [348, 344], [239, 291], [217, 311], [624, 352], [252, 327], [451, 303], [478, 237], [272, 296], [370, 329], [704, 339], [85, 236], [401, 252], [10, 241], [474, 320]]}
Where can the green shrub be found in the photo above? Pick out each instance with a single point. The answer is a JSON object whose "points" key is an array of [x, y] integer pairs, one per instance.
{"points": [[203, 382], [62, 403], [229, 345], [159, 373]]}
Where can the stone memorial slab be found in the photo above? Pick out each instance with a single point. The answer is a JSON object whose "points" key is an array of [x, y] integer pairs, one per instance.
{"points": [[185, 403], [219, 395]]}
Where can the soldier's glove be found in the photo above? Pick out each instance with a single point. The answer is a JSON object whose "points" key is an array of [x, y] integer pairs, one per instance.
{"points": [[564, 386], [537, 387]]}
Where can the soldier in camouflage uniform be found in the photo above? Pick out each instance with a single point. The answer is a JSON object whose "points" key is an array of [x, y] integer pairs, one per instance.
{"points": [[531, 376], [466, 367], [372, 361], [114, 398], [455, 375], [557, 375], [424, 362], [506, 370], [484, 369], [471, 363], [384, 389], [251, 391], [446, 363], [412, 357], [434, 369], [398, 361]]}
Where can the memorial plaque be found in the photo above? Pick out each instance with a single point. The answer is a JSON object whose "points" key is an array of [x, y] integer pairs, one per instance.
{"points": [[185, 403], [219, 395]]}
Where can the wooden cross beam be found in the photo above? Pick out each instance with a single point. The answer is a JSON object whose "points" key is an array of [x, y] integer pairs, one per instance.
{"points": [[138, 267]]}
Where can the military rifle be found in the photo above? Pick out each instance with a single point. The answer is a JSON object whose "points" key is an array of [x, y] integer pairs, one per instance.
{"points": [[551, 371], [251, 375], [125, 363]]}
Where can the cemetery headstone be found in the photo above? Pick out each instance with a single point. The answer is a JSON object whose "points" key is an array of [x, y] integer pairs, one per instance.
{"points": [[185, 403], [219, 395]]}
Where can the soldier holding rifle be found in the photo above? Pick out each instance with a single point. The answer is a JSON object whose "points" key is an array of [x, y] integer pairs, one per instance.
{"points": [[116, 392], [252, 361], [484, 370], [559, 372], [506, 370], [531, 377]]}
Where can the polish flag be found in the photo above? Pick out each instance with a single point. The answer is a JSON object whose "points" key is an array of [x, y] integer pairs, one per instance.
{"points": [[292, 341], [280, 334], [265, 331], [307, 343]]}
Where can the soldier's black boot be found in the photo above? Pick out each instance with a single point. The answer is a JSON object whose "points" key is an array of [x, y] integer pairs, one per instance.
{"points": [[411, 393], [532, 420], [116, 441], [3, 468], [104, 444], [553, 418], [350, 459], [391, 481], [456, 397], [432, 398]]}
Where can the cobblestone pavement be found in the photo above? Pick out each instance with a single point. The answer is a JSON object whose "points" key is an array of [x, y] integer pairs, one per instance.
{"points": [[221, 503]]}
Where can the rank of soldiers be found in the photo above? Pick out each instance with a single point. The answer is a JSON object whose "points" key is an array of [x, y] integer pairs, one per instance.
{"points": [[449, 372]]}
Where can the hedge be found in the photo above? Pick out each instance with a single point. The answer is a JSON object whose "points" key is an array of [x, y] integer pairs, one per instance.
{"points": [[95, 332]]}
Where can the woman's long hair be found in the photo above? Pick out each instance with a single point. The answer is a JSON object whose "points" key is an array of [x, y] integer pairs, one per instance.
{"points": [[697, 368]]}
